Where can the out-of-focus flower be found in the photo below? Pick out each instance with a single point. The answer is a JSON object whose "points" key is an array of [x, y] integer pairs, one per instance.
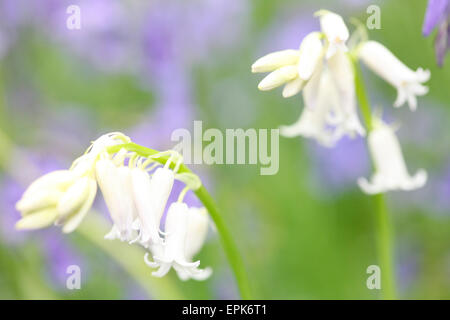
{"points": [[407, 82], [390, 168], [291, 67], [57, 195], [313, 122], [335, 30], [339, 167], [10, 192], [60, 255], [442, 190], [174, 254], [208, 24], [346, 114], [438, 14], [103, 39], [328, 84]]}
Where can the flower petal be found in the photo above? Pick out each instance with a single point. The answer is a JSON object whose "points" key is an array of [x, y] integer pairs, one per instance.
{"points": [[37, 220], [293, 87], [436, 12], [275, 60], [278, 77], [311, 51], [74, 220]]}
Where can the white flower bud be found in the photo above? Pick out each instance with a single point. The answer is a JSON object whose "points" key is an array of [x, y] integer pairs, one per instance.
{"points": [[276, 60], [73, 220], [278, 77], [39, 219], [293, 87], [58, 197]]}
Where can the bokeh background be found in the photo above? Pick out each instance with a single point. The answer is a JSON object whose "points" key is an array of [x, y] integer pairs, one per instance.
{"points": [[148, 67]]}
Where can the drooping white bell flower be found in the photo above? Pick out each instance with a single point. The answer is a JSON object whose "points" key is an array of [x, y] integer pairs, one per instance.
{"points": [[64, 197], [390, 168], [278, 77], [174, 254], [342, 72], [291, 67], [115, 184], [335, 30], [407, 82], [150, 196], [198, 223]]}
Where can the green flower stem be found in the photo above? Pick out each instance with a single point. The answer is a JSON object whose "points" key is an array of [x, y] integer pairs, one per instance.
{"points": [[382, 219], [203, 195]]}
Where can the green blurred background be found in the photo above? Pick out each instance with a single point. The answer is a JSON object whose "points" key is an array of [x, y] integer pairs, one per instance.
{"points": [[147, 69]]}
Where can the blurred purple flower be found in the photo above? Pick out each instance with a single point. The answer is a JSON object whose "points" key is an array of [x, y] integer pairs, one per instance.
{"points": [[174, 109], [409, 262], [105, 34], [289, 30], [10, 192], [182, 33], [342, 165], [442, 190], [60, 255], [438, 14], [135, 292]]}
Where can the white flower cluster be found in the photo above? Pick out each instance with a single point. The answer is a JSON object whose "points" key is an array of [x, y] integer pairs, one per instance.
{"points": [[322, 68], [136, 191]]}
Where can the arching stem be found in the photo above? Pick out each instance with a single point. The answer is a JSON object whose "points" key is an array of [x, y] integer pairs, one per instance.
{"points": [[230, 248]]}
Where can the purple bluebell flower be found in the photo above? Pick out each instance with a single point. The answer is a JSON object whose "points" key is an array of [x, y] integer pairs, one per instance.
{"points": [[438, 15]]}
